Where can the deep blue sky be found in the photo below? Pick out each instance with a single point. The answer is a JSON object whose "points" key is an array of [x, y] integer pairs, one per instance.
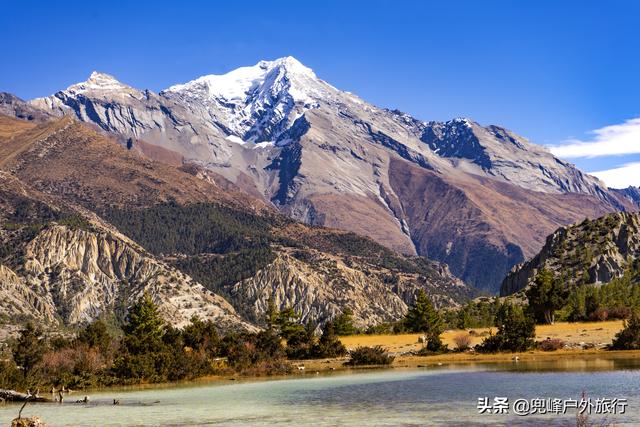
{"points": [[548, 70]]}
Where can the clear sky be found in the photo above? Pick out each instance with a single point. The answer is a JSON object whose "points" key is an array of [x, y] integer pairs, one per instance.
{"points": [[552, 71]]}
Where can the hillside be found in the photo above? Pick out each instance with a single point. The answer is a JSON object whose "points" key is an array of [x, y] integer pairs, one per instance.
{"points": [[590, 252], [192, 230], [63, 267]]}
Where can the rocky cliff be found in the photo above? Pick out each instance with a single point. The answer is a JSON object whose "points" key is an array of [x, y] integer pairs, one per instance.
{"points": [[63, 265], [74, 276], [319, 286], [591, 252]]}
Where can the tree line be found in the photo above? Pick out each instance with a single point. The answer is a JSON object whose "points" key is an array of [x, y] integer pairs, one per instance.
{"points": [[146, 349]]}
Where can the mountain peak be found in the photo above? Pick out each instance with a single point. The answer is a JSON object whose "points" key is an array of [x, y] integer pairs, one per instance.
{"points": [[237, 84], [99, 76], [461, 121], [97, 81], [289, 64], [258, 102]]}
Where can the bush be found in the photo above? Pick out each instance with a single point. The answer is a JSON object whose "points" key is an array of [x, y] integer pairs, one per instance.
{"points": [[462, 341], [370, 356], [329, 345], [629, 337], [620, 312], [551, 344], [601, 314], [515, 331]]}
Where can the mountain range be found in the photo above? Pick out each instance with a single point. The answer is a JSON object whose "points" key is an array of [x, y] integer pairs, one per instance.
{"points": [[88, 225], [477, 198]]}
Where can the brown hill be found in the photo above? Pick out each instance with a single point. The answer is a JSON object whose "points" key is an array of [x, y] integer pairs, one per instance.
{"points": [[192, 220]]}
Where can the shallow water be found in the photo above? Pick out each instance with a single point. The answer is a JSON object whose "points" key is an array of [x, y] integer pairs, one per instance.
{"points": [[446, 395]]}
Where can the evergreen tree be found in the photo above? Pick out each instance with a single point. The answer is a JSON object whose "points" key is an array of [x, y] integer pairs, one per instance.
{"points": [[463, 320], [629, 337], [271, 316], [329, 344], [516, 331], [29, 348], [96, 335], [546, 296], [288, 322], [343, 324], [423, 317], [201, 335], [144, 327]]}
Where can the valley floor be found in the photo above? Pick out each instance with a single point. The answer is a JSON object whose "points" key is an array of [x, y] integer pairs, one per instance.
{"points": [[574, 356], [574, 335]]}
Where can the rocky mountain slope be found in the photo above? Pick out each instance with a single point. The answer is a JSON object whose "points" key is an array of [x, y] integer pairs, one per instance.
{"points": [[630, 193], [591, 252], [205, 242], [64, 268], [11, 105], [449, 191]]}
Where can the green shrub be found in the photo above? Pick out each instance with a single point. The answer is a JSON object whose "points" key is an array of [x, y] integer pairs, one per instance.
{"points": [[369, 356], [516, 331], [629, 337]]}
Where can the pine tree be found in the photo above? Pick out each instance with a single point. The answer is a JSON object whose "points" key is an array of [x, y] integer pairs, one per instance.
{"points": [[516, 331], [344, 323], [29, 348], [546, 296], [329, 344], [271, 316], [95, 335], [288, 322], [629, 337], [144, 328], [423, 317]]}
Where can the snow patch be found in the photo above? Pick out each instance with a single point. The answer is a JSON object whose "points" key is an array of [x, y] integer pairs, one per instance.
{"points": [[264, 144], [235, 139]]}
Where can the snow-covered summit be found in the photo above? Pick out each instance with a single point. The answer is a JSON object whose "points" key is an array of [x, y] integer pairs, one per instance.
{"points": [[255, 103], [97, 81], [238, 84]]}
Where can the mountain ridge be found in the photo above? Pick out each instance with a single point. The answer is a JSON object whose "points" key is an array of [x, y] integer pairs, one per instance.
{"points": [[329, 162], [197, 241]]}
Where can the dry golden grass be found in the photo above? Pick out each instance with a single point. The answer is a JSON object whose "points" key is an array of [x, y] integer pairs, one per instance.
{"points": [[571, 333], [570, 358]]}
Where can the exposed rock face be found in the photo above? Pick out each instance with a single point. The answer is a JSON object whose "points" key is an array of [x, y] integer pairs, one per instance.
{"points": [[87, 273], [116, 107], [69, 274], [505, 155], [630, 193], [328, 158], [76, 276], [13, 106], [320, 286], [592, 252]]}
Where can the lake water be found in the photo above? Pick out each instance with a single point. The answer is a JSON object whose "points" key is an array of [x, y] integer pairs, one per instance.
{"points": [[446, 395]]}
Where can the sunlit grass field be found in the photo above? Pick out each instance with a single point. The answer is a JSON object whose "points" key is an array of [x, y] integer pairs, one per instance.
{"points": [[571, 333]]}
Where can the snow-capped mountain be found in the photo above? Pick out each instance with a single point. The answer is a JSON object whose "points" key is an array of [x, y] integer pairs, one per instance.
{"points": [[478, 198], [255, 103]]}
